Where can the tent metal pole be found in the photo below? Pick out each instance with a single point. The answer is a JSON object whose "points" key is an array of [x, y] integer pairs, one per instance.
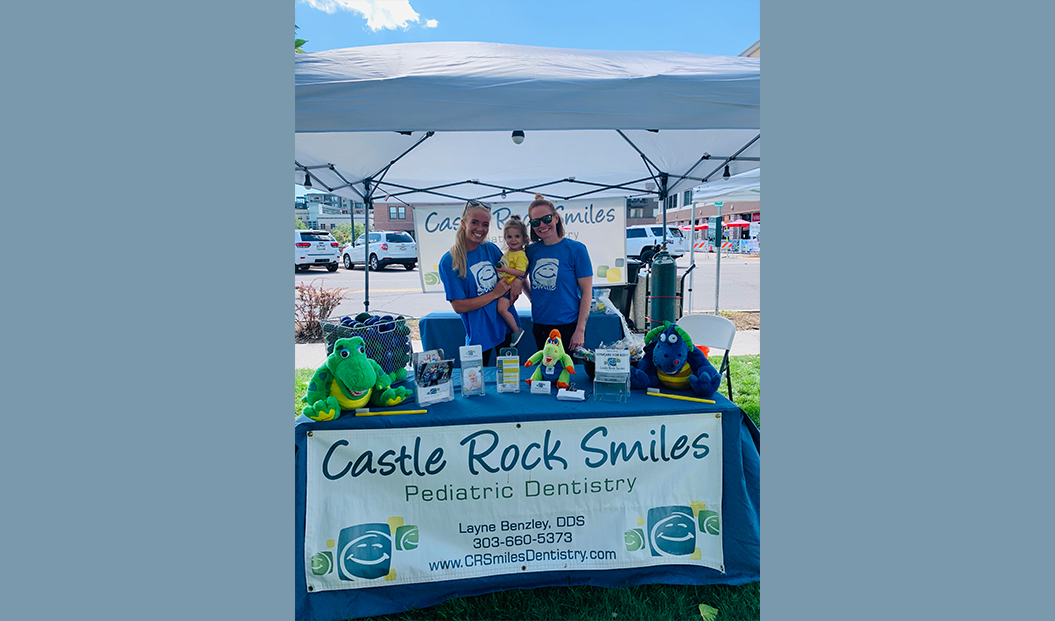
{"points": [[347, 184], [663, 205], [718, 254], [733, 156], [692, 252], [707, 156], [384, 170], [369, 198], [648, 162]]}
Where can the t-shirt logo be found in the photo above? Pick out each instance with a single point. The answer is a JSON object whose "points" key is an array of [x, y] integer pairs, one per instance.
{"points": [[544, 276], [485, 275]]}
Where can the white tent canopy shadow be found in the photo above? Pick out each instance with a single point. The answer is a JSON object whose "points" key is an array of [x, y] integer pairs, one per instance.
{"points": [[432, 122]]}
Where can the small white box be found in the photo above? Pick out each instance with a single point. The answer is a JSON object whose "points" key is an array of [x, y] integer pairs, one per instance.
{"points": [[570, 395]]}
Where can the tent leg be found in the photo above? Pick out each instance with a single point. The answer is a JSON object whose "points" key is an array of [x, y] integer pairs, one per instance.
{"points": [[369, 198]]}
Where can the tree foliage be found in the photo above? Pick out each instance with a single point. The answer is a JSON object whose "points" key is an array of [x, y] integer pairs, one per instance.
{"points": [[344, 234], [298, 42]]}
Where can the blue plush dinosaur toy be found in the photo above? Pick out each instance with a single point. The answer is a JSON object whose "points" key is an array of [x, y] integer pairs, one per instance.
{"points": [[671, 360]]}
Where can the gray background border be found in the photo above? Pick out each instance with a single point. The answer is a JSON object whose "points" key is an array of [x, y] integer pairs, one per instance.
{"points": [[146, 467], [145, 471]]}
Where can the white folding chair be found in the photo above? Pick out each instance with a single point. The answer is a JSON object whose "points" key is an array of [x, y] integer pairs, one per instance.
{"points": [[712, 331]]}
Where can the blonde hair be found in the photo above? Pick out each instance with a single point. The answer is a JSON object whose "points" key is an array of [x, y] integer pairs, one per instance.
{"points": [[458, 252], [540, 201], [514, 221]]}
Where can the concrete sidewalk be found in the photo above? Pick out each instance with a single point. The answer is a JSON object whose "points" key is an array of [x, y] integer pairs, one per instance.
{"points": [[312, 355]]}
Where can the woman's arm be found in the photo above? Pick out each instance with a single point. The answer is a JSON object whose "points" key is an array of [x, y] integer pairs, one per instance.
{"points": [[480, 301], [578, 338]]}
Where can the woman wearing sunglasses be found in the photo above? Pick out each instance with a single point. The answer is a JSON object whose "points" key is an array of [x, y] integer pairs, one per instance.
{"points": [[560, 278], [471, 283]]}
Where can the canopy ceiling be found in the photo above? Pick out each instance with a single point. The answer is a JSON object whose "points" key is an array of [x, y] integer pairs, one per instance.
{"points": [[431, 122]]}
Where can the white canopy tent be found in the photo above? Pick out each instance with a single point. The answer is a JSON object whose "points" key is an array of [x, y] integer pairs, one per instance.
{"points": [[429, 122], [746, 186]]}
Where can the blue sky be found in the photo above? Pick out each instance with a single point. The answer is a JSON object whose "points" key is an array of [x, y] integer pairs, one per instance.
{"points": [[722, 27]]}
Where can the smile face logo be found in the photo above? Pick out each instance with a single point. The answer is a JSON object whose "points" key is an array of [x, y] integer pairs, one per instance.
{"points": [[634, 540], [322, 563], [407, 538], [485, 275], [365, 551], [544, 276], [671, 531], [709, 522]]}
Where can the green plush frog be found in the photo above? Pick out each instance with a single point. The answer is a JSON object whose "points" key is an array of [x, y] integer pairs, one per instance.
{"points": [[553, 360], [349, 380]]}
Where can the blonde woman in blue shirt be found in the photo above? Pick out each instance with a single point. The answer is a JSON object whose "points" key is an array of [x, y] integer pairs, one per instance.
{"points": [[472, 284]]}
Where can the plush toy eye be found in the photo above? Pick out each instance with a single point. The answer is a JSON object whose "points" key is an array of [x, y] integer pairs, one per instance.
{"points": [[345, 353], [362, 349], [673, 338], [663, 337]]}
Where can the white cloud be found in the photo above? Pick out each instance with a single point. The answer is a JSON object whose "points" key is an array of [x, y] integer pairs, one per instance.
{"points": [[379, 14], [431, 23]]}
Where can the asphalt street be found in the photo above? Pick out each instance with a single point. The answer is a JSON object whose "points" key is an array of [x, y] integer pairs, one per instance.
{"points": [[397, 291]]}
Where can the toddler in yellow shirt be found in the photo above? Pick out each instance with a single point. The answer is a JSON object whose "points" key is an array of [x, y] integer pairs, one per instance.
{"points": [[513, 267]]}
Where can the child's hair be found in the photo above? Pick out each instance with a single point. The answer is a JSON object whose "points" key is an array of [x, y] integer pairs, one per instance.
{"points": [[458, 253], [540, 201], [515, 222]]}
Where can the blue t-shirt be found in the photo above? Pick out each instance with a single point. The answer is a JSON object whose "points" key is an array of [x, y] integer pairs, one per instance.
{"points": [[553, 272], [483, 326]]}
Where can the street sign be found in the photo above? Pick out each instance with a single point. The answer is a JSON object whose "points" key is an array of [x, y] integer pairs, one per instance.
{"points": [[718, 203]]}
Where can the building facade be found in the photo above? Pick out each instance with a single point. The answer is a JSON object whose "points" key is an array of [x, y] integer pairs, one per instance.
{"points": [[327, 211], [396, 216]]}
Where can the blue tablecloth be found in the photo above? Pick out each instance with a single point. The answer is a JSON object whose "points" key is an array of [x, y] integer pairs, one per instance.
{"points": [[740, 500], [444, 330]]}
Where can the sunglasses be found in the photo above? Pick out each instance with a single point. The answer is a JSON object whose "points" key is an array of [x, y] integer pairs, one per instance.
{"points": [[544, 219]]}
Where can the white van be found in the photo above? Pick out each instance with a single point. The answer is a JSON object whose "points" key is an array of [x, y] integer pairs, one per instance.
{"points": [[314, 248], [644, 241]]}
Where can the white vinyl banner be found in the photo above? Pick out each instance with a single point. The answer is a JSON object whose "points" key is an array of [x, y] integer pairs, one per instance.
{"points": [[599, 223], [405, 506]]}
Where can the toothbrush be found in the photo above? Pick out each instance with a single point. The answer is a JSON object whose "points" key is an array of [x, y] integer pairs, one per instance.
{"points": [[369, 412], [654, 392]]}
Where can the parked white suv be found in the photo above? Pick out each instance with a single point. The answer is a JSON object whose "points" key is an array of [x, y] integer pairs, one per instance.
{"points": [[315, 248], [386, 247], [644, 241]]}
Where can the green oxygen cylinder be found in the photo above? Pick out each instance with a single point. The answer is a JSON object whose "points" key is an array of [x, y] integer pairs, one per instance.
{"points": [[663, 290]]}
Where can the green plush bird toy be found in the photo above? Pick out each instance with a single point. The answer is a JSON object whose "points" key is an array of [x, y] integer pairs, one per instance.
{"points": [[349, 380], [552, 357]]}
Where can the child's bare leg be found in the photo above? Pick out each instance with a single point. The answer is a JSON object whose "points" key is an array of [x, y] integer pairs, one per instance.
{"points": [[503, 310], [514, 289]]}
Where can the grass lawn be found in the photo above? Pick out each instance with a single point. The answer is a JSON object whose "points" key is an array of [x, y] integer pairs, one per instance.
{"points": [[658, 602]]}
